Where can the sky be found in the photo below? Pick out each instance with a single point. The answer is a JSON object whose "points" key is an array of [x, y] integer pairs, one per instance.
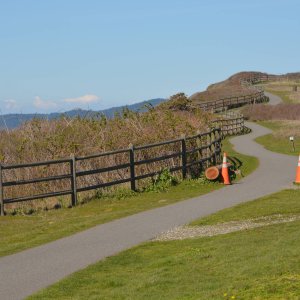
{"points": [[56, 55]]}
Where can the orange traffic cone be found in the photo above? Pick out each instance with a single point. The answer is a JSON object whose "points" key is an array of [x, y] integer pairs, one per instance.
{"points": [[225, 173], [297, 180]]}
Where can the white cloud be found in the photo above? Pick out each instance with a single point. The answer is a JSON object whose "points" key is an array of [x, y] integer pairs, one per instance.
{"points": [[43, 104], [10, 104], [86, 99]]}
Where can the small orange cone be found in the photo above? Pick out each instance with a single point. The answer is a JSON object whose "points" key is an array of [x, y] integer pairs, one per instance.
{"points": [[297, 180], [225, 173]]}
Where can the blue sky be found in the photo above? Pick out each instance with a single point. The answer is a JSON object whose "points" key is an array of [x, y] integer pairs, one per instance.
{"points": [[60, 54]]}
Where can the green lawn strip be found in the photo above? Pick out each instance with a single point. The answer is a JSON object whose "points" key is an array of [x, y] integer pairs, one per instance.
{"points": [[21, 232], [285, 202], [261, 263], [277, 144]]}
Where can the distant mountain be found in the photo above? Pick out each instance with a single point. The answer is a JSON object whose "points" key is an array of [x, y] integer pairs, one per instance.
{"points": [[11, 121]]}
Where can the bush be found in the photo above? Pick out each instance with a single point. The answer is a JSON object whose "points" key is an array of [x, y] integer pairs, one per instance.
{"points": [[177, 102], [162, 181]]}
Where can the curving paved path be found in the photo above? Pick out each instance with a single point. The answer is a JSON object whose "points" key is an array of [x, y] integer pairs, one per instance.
{"points": [[26, 272], [273, 99]]}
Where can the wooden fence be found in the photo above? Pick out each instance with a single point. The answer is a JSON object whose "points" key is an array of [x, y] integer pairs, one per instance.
{"points": [[261, 78], [230, 123], [267, 77], [233, 102], [193, 152], [200, 151]]}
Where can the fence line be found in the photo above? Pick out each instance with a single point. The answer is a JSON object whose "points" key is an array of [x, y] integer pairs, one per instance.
{"points": [[230, 124], [192, 153], [233, 102]]}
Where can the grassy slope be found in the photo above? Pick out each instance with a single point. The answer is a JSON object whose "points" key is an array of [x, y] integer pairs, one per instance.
{"points": [[283, 90], [262, 263], [22, 232], [270, 142], [277, 144], [284, 95]]}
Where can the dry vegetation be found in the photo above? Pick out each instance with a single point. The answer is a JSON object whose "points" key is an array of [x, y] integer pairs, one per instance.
{"points": [[261, 112], [285, 89], [231, 87], [283, 129], [41, 140], [288, 128]]}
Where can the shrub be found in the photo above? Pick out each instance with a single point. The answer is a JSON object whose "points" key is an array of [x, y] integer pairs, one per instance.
{"points": [[162, 181]]}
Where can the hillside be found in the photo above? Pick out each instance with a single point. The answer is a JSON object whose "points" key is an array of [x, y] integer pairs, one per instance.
{"points": [[11, 121], [230, 87]]}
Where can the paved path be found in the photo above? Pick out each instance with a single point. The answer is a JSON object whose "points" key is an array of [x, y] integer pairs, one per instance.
{"points": [[273, 98], [26, 272]]}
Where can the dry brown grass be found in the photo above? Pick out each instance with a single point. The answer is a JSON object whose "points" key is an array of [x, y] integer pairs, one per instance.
{"points": [[230, 87], [261, 112], [285, 89], [41, 140], [287, 128]]}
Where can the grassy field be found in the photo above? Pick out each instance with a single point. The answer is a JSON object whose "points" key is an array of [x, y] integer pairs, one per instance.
{"points": [[22, 232], [284, 89], [278, 141], [261, 263]]}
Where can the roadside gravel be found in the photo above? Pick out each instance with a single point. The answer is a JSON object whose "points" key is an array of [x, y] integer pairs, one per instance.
{"points": [[188, 232]]}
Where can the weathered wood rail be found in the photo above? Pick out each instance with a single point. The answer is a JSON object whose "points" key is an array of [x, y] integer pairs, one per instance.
{"points": [[193, 151]]}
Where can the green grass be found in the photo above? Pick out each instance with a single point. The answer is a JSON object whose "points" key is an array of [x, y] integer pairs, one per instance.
{"points": [[261, 263], [247, 163], [275, 143], [284, 95], [22, 232], [285, 202]]}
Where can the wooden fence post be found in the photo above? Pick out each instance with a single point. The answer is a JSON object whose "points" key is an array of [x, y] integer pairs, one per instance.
{"points": [[208, 150], [220, 136], [211, 154], [1, 194], [132, 169], [73, 180], [199, 144], [215, 147], [243, 125], [183, 156]]}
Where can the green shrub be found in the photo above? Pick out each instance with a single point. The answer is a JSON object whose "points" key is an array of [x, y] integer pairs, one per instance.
{"points": [[162, 181]]}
